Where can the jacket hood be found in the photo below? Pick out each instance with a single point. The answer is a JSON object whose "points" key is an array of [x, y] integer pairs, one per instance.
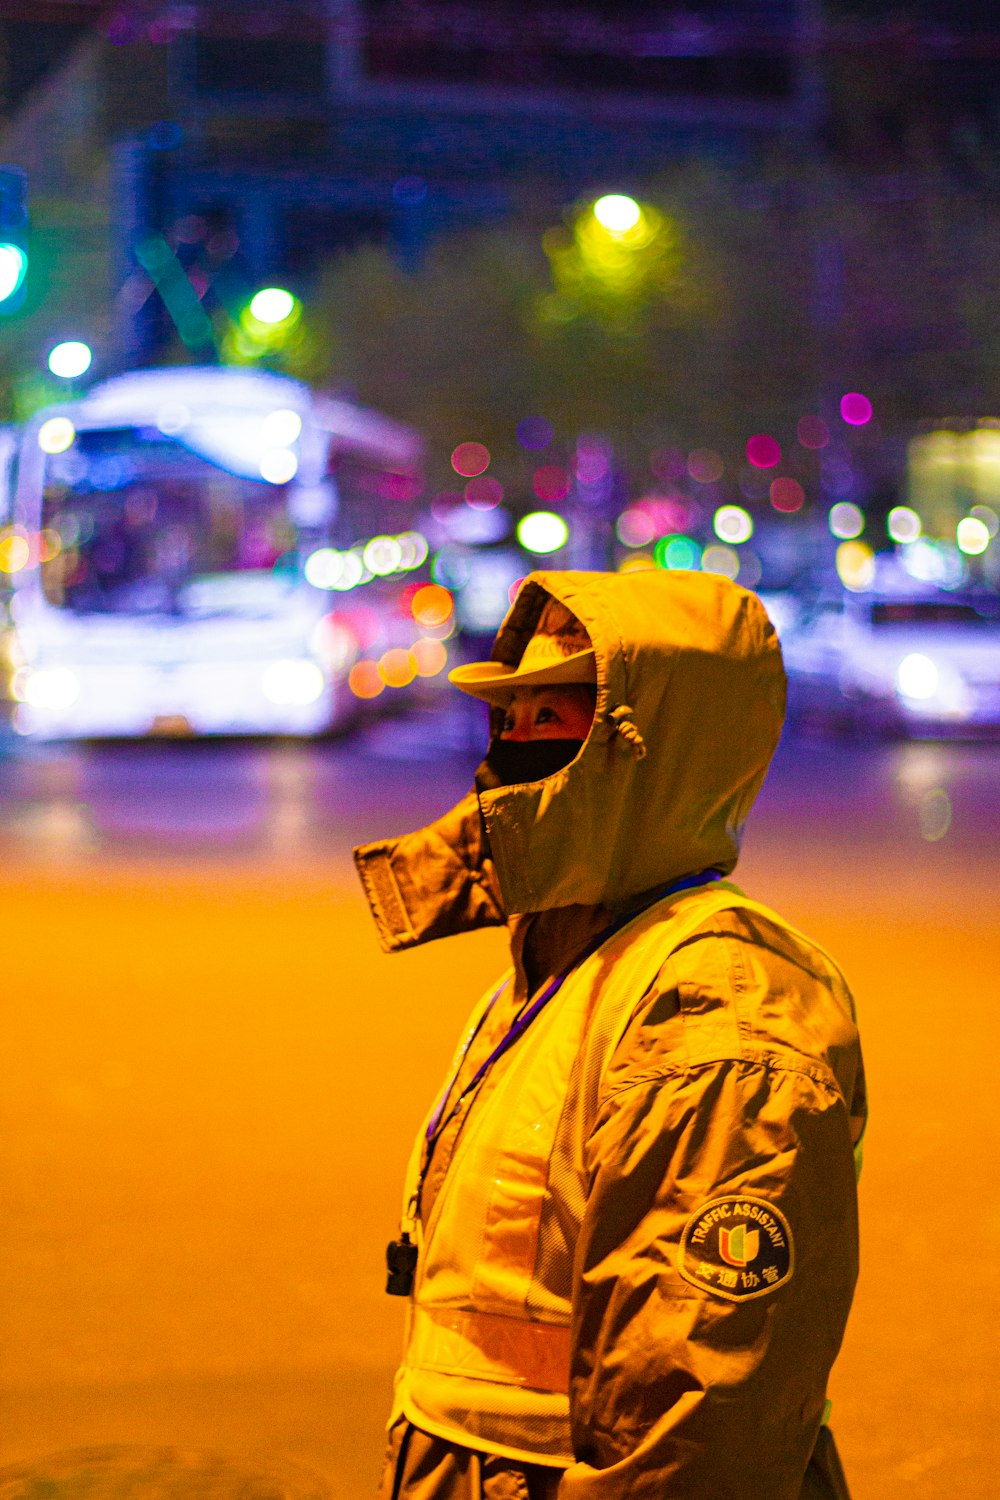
{"points": [[690, 704]]}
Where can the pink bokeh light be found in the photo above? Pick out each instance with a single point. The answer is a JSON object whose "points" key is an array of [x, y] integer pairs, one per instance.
{"points": [[855, 409], [787, 495], [764, 451], [470, 459], [483, 492], [551, 483]]}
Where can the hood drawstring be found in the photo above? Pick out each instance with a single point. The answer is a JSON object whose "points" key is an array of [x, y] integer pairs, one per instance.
{"points": [[621, 719]]}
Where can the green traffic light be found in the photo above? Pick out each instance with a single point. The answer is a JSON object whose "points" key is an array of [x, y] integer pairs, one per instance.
{"points": [[13, 266]]}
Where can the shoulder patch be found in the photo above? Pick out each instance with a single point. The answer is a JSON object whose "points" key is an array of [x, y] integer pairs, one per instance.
{"points": [[737, 1247]]}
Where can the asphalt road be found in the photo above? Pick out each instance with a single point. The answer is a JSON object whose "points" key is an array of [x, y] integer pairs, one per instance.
{"points": [[211, 1077]]}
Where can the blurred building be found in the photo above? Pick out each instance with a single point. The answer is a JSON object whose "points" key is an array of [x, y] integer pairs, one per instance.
{"points": [[262, 136], [265, 136]]}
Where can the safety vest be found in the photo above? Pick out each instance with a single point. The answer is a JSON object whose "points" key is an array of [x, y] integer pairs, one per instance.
{"points": [[487, 1350]]}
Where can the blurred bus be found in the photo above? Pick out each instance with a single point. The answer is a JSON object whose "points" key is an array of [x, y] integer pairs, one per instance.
{"points": [[175, 536]]}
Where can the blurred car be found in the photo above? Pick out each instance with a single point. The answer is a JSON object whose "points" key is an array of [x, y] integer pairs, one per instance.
{"points": [[918, 661]]}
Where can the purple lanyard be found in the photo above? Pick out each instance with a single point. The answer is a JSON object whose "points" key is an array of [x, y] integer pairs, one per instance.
{"points": [[524, 1020]]}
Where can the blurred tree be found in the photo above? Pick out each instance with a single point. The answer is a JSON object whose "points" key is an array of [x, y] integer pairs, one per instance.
{"points": [[767, 300]]}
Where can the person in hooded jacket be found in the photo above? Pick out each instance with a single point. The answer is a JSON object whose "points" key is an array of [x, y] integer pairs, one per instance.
{"points": [[629, 1235]]}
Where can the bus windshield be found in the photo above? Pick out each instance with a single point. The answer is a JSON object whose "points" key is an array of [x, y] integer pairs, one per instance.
{"points": [[134, 522]]}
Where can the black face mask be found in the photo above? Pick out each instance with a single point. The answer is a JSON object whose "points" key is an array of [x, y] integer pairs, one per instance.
{"points": [[514, 761]]}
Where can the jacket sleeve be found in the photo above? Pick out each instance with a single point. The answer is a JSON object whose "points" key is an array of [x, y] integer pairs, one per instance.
{"points": [[700, 1347]]}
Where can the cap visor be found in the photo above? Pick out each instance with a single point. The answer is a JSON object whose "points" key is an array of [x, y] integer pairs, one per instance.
{"points": [[494, 681]]}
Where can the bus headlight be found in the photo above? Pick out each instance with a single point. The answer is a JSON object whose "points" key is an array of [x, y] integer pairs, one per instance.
{"points": [[46, 687], [933, 688], [917, 677], [288, 682]]}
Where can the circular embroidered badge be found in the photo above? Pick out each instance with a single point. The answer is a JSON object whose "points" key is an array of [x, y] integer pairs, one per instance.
{"points": [[737, 1248]]}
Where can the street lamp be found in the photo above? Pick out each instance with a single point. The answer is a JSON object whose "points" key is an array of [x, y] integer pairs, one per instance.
{"points": [[272, 305], [267, 323], [617, 213]]}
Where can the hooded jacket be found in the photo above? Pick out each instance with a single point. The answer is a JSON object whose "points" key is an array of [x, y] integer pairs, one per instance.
{"points": [[647, 1286]]}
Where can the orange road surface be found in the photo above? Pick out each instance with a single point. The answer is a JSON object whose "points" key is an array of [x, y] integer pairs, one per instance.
{"points": [[211, 1078]]}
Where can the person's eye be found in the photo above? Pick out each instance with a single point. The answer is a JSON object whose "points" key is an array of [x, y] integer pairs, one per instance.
{"points": [[546, 716], [508, 724]]}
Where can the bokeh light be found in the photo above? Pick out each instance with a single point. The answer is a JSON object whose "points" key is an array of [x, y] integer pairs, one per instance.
{"points": [[365, 680], [731, 523], [382, 555], [846, 520], [812, 432], [934, 814], [972, 536], [591, 463], [855, 566], [705, 466], [278, 465], [542, 532], [787, 495], [432, 605], [855, 409], [934, 562], [903, 524], [988, 516], [431, 656], [281, 428], [551, 483], [635, 527], [50, 544], [70, 359], [352, 572], [397, 667], [617, 213], [677, 552], [272, 304], [13, 264], [483, 492], [15, 551], [414, 549], [721, 560], [534, 433], [470, 459], [56, 435], [763, 451], [324, 568], [917, 677]]}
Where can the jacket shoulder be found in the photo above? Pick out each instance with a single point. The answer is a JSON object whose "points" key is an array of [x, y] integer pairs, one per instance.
{"points": [[742, 986]]}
